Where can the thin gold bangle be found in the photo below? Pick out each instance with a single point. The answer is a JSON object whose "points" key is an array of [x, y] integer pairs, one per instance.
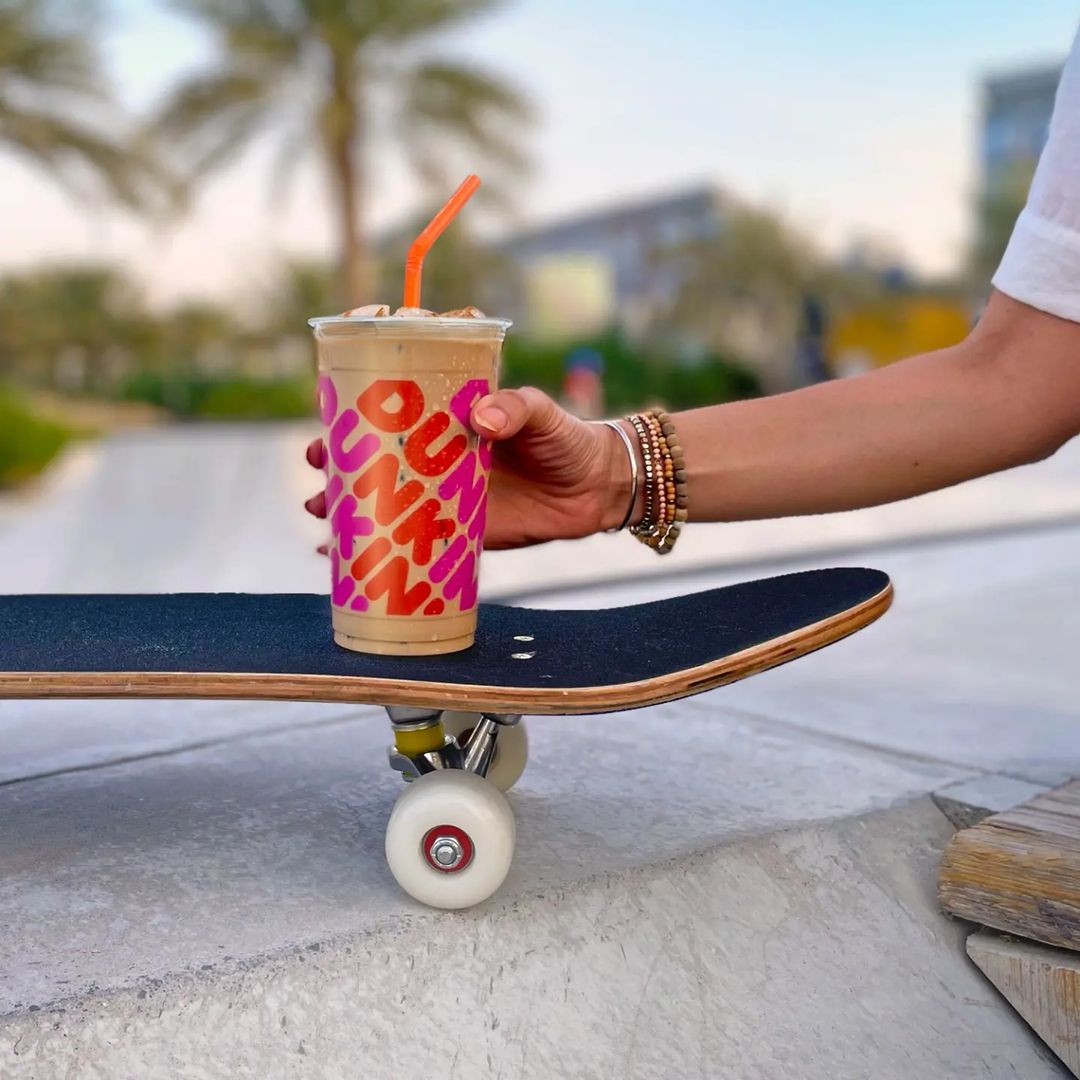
{"points": [[633, 473]]}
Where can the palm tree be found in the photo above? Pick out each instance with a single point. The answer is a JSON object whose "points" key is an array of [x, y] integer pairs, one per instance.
{"points": [[75, 325], [347, 74], [50, 78]]}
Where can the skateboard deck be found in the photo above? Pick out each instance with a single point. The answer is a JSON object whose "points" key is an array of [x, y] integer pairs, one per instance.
{"points": [[525, 660]]}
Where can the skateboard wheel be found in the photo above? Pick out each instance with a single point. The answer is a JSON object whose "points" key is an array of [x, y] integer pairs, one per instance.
{"points": [[450, 839], [511, 747]]}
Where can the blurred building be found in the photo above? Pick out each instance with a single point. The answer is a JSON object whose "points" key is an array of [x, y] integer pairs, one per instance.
{"points": [[1017, 106], [590, 271], [1016, 110]]}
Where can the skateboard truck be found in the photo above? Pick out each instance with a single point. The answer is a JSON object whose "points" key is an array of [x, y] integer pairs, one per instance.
{"points": [[450, 837], [422, 744]]}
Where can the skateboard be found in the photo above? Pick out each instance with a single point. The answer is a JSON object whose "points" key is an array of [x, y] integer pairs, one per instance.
{"points": [[458, 734]]}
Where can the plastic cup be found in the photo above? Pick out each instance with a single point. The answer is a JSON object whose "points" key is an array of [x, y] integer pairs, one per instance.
{"points": [[407, 477]]}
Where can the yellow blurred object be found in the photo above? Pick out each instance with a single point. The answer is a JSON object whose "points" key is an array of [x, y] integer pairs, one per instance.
{"points": [[569, 296], [892, 329]]}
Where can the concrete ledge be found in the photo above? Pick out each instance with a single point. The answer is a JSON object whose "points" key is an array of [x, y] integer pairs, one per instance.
{"points": [[816, 952]]}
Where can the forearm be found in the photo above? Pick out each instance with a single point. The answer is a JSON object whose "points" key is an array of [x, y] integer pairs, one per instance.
{"points": [[1009, 394]]}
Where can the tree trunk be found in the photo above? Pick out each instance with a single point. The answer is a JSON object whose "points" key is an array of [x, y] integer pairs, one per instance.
{"points": [[341, 134], [355, 269]]}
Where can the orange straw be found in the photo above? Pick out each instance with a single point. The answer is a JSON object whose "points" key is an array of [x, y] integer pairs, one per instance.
{"points": [[414, 261]]}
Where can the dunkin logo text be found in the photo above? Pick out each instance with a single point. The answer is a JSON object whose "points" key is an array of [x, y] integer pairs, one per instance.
{"points": [[422, 487]]}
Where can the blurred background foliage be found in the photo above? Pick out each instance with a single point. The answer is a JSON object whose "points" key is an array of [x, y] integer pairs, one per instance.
{"points": [[28, 441]]}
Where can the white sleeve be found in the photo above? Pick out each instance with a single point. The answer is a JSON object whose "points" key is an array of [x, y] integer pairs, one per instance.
{"points": [[1041, 265]]}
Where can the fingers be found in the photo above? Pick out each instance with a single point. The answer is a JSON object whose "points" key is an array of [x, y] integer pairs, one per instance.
{"points": [[506, 413], [316, 454], [316, 505]]}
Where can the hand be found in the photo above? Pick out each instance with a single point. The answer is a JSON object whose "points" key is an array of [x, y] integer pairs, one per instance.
{"points": [[553, 477]]}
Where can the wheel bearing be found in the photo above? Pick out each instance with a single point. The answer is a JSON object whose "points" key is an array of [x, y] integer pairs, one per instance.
{"points": [[447, 849]]}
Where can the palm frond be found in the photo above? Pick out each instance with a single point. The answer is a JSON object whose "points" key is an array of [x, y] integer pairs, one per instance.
{"points": [[81, 158], [268, 30], [204, 99], [453, 103], [54, 104], [211, 116], [209, 120], [40, 52], [295, 141], [396, 20]]}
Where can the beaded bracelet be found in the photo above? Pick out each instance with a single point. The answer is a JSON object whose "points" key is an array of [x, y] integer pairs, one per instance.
{"points": [[666, 499], [647, 525]]}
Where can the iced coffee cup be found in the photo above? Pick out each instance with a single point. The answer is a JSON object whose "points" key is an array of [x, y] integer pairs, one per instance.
{"points": [[407, 477]]}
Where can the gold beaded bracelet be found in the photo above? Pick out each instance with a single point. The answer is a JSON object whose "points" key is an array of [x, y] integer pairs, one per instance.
{"points": [[666, 499]]}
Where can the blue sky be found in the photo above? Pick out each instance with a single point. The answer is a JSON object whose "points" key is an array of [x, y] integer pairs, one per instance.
{"points": [[854, 119]]}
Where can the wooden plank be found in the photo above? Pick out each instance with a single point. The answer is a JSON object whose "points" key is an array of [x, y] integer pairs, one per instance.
{"points": [[1019, 871], [1041, 984]]}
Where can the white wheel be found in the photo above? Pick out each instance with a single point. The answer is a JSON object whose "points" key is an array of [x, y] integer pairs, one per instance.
{"points": [[511, 747], [450, 839]]}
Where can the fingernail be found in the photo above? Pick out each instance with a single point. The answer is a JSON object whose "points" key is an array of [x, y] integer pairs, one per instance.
{"points": [[492, 418]]}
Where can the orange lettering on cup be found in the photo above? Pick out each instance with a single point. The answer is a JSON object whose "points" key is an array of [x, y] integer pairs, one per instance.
{"points": [[418, 445], [391, 501], [423, 527], [372, 403], [391, 582], [370, 557]]}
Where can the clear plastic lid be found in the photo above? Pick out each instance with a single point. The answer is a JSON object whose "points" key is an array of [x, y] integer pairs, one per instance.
{"points": [[413, 326]]}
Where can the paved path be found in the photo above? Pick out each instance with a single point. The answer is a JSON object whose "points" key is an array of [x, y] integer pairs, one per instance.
{"points": [[733, 883]]}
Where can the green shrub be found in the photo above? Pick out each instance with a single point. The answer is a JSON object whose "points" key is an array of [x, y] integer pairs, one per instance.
{"points": [[244, 399], [235, 398], [27, 442], [633, 377]]}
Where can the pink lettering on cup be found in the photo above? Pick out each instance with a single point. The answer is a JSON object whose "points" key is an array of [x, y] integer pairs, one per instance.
{"points": [[462, 402], [350, 460], [334, 487], [463, 583], [448, 559], [430, 446], [341, 588], [346, 525], [464, 482], [479, 522], [327, 397]]}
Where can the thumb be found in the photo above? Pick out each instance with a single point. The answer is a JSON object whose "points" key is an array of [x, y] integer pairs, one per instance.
{"points": [[507, 413]]}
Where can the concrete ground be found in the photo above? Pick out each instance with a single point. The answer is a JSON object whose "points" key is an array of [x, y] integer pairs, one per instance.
{"points": [[737, 885]]}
